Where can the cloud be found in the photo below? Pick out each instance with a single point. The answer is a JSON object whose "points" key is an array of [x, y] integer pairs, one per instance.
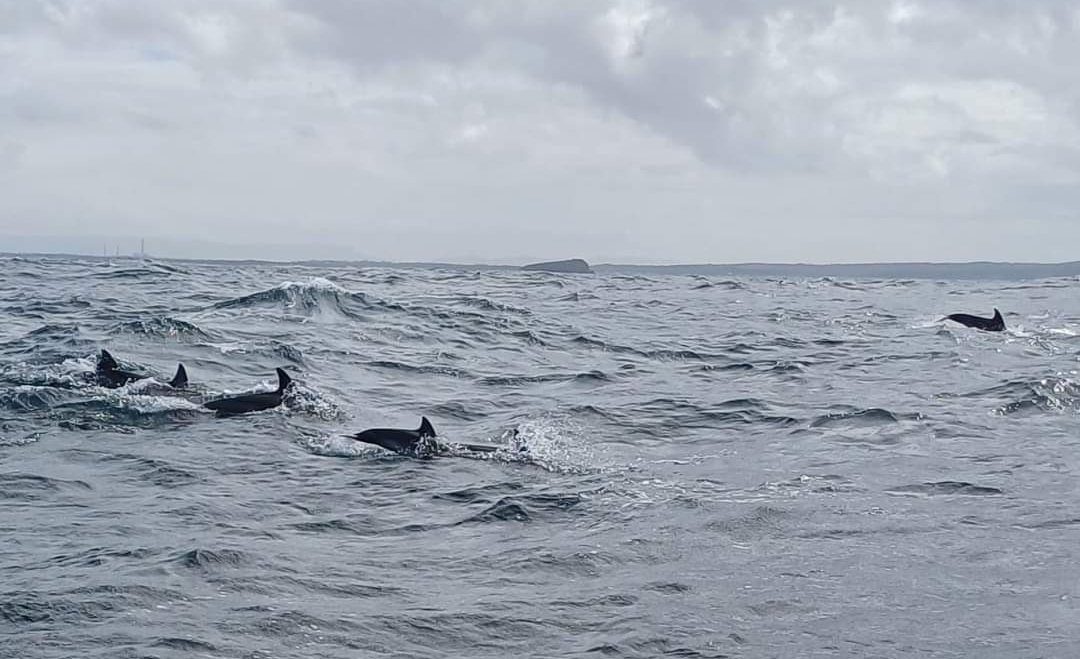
{"points": [[11, 154], [776, 85], [497, 129]]}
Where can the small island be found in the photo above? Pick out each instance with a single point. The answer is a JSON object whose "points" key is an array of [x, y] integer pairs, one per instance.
{"points": [[571, 266]]}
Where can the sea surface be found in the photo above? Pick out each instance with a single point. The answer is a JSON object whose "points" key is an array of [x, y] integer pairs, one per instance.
{"points": [[714, 468]]}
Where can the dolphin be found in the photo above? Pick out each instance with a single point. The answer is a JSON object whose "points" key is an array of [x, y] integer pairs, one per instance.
{"points": [[110, 375], [995, 324], [251, 402], [419, 443]]}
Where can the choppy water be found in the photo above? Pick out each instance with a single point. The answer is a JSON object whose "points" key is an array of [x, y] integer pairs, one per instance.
{"points": [[750, 468]]}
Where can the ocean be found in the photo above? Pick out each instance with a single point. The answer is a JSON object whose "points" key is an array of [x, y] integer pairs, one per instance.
{"points": [[715, 467]]}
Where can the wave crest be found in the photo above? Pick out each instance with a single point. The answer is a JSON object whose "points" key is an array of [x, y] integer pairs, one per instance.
{"points": [[318, 295]]}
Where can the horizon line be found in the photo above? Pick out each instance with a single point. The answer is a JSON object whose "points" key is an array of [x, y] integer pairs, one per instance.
{"points": [[604, 264]]}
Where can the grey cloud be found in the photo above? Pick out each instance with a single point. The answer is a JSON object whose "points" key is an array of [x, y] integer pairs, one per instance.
{"points": [[761, 85]]}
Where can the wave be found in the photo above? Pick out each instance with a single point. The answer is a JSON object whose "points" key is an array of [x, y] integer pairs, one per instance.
{"points": [[27, 398], [479, 493], [529, 337], [23, 608], [316, 296], [487, 304], [671, 417], [578, 296], [946, 488], [133, 273], [339, 525], [59, 373], [431, 369], [812, 484], [120, 410], [524, 508], [458, 410], [658, 354], [1051, 394], [518, 380], [47, 337], [43, 308], [186, 645], [266, 347], [287, 351], [852, 417], [167, 267], [790, 369], [736, 366], [209, 560], [29, 487], [154, 470], [161, 327]]}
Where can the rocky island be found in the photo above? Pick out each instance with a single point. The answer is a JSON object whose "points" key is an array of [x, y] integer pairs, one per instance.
{"points": [[571, 266]]}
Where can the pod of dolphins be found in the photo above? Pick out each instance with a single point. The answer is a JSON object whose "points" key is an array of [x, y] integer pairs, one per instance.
{"points": [[421, 442]]}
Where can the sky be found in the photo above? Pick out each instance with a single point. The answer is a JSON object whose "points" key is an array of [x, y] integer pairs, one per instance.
{"points": [[506, 131]]}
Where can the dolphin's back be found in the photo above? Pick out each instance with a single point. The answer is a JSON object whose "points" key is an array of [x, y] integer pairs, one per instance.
{"points": [[245, 403], [391, 439], [995, 324], [251, 402], [419, 443], [966, 319], [116, 378]]}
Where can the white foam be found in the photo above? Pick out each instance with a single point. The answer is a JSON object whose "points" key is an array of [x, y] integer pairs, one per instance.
{"points": [[556, 443], [336, 446], [314, 283], [145, 404]]}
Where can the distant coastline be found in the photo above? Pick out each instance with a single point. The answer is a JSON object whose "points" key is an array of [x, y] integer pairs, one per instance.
{"points": [[898, 270]]}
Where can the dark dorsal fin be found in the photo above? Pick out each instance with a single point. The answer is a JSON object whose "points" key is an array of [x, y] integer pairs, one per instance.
{"points": [[106, 361], [426, 429], [180, 379], [283, 380], [997, 323]]}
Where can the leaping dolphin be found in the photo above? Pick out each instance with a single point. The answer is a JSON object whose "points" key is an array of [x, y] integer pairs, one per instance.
{"points": [[251, 402], [995, 324], [415, 443], [110, 375]]}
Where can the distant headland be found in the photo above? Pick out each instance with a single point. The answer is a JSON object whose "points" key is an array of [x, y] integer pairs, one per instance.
{"points": [[569, 266]]}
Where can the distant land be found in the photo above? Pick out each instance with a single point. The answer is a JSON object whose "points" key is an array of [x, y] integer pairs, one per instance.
{"points": [[567, 266], [908, 270], [969, 270]]}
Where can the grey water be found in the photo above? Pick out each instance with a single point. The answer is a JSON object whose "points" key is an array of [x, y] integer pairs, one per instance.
{"points": [[747, 467]]}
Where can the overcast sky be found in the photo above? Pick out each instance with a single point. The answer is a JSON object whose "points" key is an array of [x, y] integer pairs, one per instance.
{"points": [[512, 130]]}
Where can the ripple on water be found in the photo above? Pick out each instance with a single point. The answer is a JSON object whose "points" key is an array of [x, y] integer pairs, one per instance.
{"points": [[945, 488]]}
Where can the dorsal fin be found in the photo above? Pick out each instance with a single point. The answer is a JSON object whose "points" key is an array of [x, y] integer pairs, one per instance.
{"points": [[283, 380], [997, 314], [426, 429], [180, 379], [106, 361]]}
